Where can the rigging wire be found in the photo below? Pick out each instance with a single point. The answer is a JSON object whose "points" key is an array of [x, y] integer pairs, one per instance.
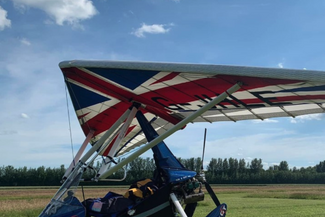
{"points": [[71, 142], [205, 136], [83, 192]]}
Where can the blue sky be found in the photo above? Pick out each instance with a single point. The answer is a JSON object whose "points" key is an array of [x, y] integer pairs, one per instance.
{"points": [[35, 35]]}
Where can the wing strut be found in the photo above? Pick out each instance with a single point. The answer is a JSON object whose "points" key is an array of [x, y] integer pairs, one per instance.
{"points": [[119, 137], [172, 130], [107, 134], [78, 155]]}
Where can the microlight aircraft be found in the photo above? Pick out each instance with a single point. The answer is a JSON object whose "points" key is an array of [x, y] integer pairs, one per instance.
{"points": [[126, 108]]}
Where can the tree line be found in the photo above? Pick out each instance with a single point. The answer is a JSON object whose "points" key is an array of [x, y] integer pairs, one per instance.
{"points": [[218, 171]]}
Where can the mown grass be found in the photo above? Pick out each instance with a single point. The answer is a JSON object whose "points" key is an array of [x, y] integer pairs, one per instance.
{"points": [[266, 200]]}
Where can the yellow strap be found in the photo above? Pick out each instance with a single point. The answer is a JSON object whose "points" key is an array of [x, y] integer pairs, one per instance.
{"points": [[135, 192]]}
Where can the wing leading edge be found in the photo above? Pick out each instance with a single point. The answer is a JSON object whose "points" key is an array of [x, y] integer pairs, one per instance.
{"points": [[102, 90]]}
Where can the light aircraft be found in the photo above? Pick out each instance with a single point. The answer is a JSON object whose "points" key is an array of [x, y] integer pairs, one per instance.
{"points": [[126, 108]]}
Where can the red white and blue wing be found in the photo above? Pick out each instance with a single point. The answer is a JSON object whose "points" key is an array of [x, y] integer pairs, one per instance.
{"points": [[101, 91]]}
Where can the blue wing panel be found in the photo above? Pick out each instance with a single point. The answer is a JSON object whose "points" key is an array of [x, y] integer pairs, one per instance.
{"points": [[305, 89], [125, 77], [82, 98]]}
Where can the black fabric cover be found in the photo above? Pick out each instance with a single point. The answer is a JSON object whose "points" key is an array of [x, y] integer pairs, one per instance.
{"points": [[160, 197], [110, 205]]}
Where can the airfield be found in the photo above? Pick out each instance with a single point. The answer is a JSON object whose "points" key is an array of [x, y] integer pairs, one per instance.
{"points": [[242, 200]]}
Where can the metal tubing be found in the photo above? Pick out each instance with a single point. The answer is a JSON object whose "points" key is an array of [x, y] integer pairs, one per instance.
{"points": [[172, 130], [118, 140], [117, 180], [123, 131], [105, 136], [78, 155], [104, 146], [178, 205]]}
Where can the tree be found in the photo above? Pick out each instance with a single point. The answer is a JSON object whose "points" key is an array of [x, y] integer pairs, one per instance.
{"points": [[242, 165], [320, 168], [197, 164], [219, 165], [225, 165], [256, 165], [140, 168], [283, 166], [233, 166], [189, 163], [218, 171]]}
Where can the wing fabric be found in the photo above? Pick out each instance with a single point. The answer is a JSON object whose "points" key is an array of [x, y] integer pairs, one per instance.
{"points": [[101, 91]]}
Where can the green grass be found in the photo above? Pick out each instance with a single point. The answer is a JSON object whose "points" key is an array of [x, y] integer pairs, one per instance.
{"points": [[266, 201], [246, 204], [24, 213], [241, 206], [13, 198]]}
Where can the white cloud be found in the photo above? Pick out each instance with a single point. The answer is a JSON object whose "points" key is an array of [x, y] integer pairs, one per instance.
{"points": [[25, 41], [151, 29], [23, 115], [303, 118], [63, 11], [4, 22], [280, 65], [265, 121]]}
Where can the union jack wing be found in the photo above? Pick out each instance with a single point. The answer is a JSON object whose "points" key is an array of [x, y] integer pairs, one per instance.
{"points": [[168, 92]]}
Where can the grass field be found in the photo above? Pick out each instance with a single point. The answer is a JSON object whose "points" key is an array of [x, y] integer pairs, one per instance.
{"points": [[250, 200]]}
